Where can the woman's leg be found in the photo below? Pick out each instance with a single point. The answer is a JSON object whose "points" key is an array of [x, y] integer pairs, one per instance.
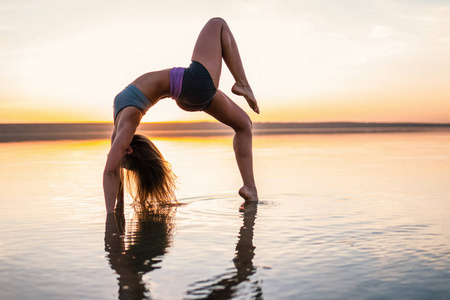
{"points": [[215, 42], [226, 111]]}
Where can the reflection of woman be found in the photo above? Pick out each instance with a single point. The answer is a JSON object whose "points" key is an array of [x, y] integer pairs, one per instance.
{"points": [[137, 248], [224, 285], [194, 89]]}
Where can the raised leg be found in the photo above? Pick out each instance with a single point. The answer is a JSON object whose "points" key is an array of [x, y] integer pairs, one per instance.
{"points": [[216, 42], [226, 111]]}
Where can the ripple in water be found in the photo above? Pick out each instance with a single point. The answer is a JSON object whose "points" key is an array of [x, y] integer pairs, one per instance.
{"points": [[218, 205], [315, 245]]}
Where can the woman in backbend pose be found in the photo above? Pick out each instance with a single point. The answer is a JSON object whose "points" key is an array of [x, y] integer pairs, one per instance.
{"points": [[195, 89]]}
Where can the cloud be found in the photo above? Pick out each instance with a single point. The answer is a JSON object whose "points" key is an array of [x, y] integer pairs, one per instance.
{"points": [[290, 49], [381, 32]]}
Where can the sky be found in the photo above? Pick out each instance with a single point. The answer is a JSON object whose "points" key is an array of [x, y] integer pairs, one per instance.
{"points": [[307, 61]]}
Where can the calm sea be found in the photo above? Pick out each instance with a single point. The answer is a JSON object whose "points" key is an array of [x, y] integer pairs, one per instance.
{"points": [[342, 216]]}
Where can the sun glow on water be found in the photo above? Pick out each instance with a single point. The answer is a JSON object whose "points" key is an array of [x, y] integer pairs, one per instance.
{"points": [[353, 202]]}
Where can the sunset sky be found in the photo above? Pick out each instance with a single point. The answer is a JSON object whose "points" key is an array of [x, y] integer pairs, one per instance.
{"points": [[323, 60]]}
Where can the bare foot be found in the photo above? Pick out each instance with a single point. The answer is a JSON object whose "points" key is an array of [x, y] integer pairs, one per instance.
{"points": [[249, 194], [247, 93]]}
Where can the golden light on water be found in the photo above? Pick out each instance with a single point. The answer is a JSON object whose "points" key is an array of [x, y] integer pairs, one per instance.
{"points": [[353, 202], [406, 168]]}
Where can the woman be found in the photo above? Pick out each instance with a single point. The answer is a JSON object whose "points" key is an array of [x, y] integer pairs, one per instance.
{"points": [[194, 89]]}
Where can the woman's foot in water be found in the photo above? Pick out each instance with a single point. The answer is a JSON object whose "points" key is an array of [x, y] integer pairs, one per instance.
{"points": [[245, 91], [249, 194]]}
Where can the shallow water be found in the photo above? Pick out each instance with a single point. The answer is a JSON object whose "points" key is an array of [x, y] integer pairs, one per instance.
{"points": [[351, 216]]}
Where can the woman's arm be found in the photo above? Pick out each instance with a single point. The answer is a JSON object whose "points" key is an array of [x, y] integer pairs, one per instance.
{"points": [[111, 175]]}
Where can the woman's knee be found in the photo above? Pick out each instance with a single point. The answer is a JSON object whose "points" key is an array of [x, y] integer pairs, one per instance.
{"points": [[244, 125], [217, 20]]}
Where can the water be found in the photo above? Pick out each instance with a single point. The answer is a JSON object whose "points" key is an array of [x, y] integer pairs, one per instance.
{"points": [[342, 216]]}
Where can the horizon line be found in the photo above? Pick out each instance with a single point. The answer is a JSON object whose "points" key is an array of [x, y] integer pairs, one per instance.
{"points": [[214, 122], [84, 131]]}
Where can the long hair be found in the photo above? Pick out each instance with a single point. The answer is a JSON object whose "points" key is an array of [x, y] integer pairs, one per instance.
{"points": [[148, 175]]}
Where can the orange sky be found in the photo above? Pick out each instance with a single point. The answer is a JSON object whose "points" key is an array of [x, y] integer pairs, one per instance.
{"points": [[307, 61]]}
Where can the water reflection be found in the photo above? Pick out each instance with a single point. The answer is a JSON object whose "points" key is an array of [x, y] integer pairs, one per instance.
{"points": [[225, 285], [137, 247]]}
